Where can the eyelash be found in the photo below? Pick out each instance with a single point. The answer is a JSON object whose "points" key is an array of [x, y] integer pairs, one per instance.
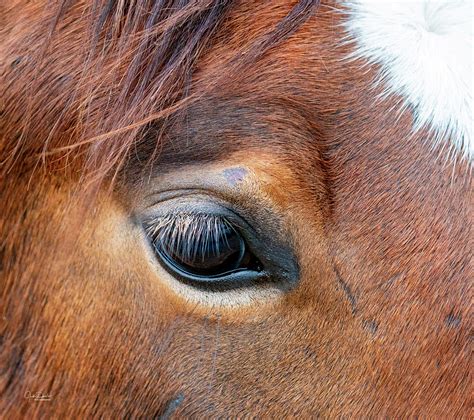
{"points": [[188, 233]]}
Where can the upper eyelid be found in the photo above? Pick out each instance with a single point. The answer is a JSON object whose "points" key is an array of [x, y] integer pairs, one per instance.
{"points": [[256, 227]]}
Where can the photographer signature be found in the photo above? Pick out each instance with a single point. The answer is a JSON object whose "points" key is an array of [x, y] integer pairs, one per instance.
{"points": [[38, 396]]}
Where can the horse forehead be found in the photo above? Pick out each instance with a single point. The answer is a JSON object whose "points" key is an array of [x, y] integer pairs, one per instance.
{"points": [[424, 50], [419, 55]]}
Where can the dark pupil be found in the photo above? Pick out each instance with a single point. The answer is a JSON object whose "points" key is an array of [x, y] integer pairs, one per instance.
{"points": [[207, 258]]}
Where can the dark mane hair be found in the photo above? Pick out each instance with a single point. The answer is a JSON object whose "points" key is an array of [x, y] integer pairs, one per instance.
{"points": [[86, 79]]}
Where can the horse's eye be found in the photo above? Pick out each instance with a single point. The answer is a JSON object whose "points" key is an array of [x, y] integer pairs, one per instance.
{"points": [[203, 250], [216, 253]]}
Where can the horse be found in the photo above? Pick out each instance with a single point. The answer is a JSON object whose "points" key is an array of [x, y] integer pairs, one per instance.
{"points": [[219, 208]]}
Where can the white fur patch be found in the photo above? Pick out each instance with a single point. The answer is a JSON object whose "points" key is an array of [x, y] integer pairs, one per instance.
{"points": [[425, 49]]}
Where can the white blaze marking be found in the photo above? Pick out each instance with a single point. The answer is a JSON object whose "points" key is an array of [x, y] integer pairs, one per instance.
{"points": [[425, 50]]}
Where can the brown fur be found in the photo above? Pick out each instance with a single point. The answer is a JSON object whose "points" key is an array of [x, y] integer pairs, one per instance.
{"points": [[379, 324]]}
